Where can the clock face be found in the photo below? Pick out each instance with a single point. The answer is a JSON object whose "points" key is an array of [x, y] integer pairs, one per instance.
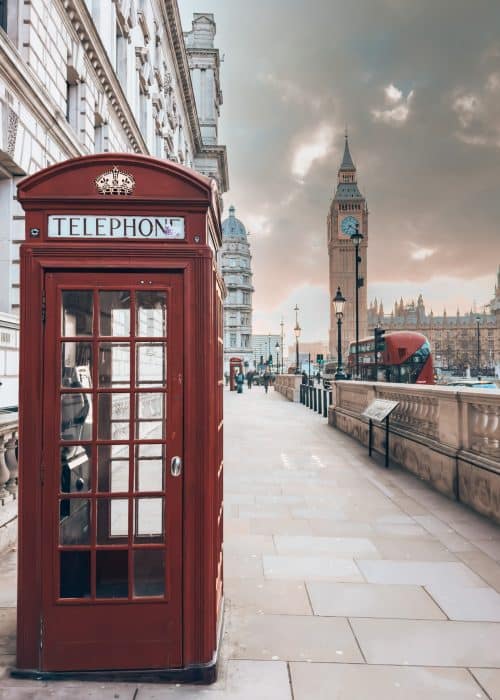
{"points": [[348, 225]]}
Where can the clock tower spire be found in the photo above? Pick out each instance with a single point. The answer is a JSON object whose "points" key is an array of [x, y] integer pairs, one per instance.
{"points": [[348, 213]]}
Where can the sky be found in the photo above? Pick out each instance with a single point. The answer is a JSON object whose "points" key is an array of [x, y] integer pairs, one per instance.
{"points": [[417, 82]]}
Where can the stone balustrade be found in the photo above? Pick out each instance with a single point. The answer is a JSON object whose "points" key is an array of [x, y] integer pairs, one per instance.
{"points": [[289, 385], [448, 437], [8, 479]]}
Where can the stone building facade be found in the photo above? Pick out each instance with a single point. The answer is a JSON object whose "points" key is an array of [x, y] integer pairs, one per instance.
{"points": [[454, 338], [86, 76], [347, 210], [236, 268]]}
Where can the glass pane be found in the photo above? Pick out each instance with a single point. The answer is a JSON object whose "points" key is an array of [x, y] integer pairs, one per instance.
{"points": [[150, 364], [148, 520], [114, 365], [150, 416], [76, 416], [149, 468], [114, 413], [76, 468], [151, 314], [112, 521], [74, 521], [77, 315], [114, 316], [112, 467], [76, 365], [111, 574], [149, 572], [74, 575]]}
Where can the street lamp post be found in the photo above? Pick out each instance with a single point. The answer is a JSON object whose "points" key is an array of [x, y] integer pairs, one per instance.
{"points": [[277, 348], [297, 330], [356, 238], [282, 354], [338, 304], [478, 321]]}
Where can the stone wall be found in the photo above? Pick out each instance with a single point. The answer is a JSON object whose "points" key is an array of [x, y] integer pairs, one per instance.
{"points": [[288, 385], [448, 438]]}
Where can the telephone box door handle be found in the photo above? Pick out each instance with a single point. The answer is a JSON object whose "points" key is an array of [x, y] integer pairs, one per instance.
{"points": [[176, 466]]}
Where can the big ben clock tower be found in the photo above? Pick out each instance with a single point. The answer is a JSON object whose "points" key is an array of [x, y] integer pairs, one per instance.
{"points": [[348, 212]]}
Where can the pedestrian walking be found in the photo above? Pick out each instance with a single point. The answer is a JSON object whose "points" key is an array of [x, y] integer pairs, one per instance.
{"points": [[240, 379], [266, 379], [226, 377], [249, 378]]}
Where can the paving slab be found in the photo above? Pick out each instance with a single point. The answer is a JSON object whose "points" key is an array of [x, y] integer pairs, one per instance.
{"points": [[429, 643], [239, 544], [460, 603], [372, 600], [348, 547], [294, 638], [355, 682], [483, 566], [313, 568], [417, 572], [489, 679], [263, 596]]}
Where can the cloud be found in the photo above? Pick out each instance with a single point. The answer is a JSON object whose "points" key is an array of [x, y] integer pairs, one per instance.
{"points": [[466, 107], [422, 253], [392, 93], [400, 112], [258, 224], [316, 148], [416, 161]]}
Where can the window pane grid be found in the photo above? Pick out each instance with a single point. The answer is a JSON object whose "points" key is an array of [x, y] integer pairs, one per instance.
{"points": [[142, 406]]}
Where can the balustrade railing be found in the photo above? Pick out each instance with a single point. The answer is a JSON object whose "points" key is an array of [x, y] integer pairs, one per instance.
{"points": [[8, 479], [447, 436], [8, 458]]}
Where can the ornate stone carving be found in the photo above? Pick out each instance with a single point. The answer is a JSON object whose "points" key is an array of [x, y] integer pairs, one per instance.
{"points": [[484, 428], [12, 125]]}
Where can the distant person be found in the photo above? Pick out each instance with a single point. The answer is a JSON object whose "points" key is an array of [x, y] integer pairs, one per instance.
{"points": [[249, 378], [266, 379], [318, 377], [239, 379], [305, 378], [226, 377]]}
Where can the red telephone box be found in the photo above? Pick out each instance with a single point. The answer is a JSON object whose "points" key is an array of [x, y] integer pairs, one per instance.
{"points": [[120, 500], [235, 367]]}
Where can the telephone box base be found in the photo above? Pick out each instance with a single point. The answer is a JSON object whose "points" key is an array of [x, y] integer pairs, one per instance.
{"points": [[202, 674]]}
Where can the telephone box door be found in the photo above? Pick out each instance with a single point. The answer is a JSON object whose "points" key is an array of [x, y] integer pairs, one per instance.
{"points": [[112, 461]]}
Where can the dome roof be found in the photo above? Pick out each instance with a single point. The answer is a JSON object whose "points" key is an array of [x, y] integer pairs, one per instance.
{"points": [[232, 227]]}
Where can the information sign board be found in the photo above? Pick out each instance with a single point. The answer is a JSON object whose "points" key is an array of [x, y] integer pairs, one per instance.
{"points": [[379, 409]]}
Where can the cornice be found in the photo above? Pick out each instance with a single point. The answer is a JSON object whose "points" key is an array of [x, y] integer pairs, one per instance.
{"points": [[173, 26], [219, 152], [83, 25], [26, 86]]}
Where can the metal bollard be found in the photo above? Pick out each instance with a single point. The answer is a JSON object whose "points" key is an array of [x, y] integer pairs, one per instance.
{"points": [[315, 399], [325, 407], [330, 398], [320, 410], [311, 395]]}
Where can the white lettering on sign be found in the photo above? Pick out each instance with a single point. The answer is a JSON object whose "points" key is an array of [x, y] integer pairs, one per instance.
{"points": [[134, 227]]}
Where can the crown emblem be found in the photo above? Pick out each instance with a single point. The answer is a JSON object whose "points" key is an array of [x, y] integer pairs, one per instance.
{"points": [[115, 181]]}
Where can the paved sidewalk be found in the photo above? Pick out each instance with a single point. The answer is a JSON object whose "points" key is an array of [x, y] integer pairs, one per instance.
{"points": [[343, 580]]}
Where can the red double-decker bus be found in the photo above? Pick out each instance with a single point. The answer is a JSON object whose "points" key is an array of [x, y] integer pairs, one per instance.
{"points": [[402, 356]]}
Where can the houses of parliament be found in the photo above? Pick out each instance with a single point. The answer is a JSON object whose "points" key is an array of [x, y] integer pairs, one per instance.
{"points": [[455, 339]]}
